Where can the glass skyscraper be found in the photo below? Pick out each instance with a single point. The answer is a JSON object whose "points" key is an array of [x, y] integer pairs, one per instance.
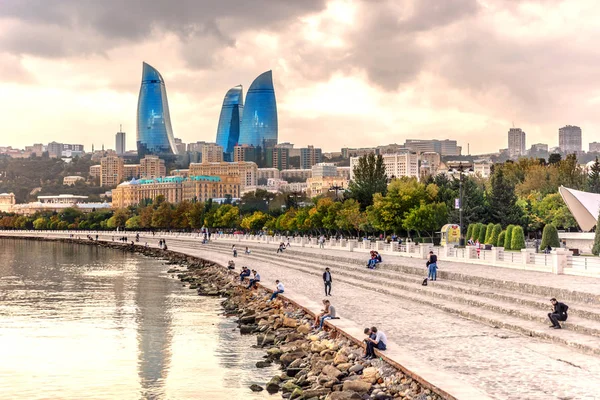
{"points": [[259, 122], [228, 131], [154, 131]]}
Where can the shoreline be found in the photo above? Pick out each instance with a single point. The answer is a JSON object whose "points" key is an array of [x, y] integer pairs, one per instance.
{"points": [[325, 365]]}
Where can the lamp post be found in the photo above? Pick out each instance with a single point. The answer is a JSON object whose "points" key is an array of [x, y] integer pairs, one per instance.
{"points": [[335, 188]]}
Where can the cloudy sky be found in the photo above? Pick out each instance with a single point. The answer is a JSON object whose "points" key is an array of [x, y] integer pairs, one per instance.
{"points": [[347, 73]]}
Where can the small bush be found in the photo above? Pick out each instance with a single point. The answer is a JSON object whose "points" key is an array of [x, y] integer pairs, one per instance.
{"points": [[488, 233], [508, 237], [596, 247], [501, 238], [475, 232], [517, 241], [549, 237], [469, 234], [495, 234], [482, 229]]}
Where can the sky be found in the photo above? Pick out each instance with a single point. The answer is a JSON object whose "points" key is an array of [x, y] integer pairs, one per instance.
{"points": [[346, 73]]}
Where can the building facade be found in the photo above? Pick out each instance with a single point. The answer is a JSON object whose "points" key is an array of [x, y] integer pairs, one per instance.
{"points": [[396, 165], [228, 130], [259, 121], [154, 131], [152, 167], [322, 170], [268, 173], [212, 152], [246, 171], [131, 171], [244, 152], [594, 147], [111, 170], [278, 157], [310, 156], [175, 189], [7, 201], [322, 185], [569, 139], [516, 143], [57, 204], [430, 162], [444, 147], [71, 180], [296, 174], [120, 144], [95, 171]]}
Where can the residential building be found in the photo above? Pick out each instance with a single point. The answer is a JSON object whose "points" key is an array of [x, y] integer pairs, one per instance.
{"points": [[396, 165], [390, 149], [176, 189], [343, 172], [228, 130], [212, 152], [180, 172], [152, 167], [569, 139], [516, 143], [154, 131], [444, 147], [259, 125], [95, 171], [296, 174], [180, 146], [322, 185], [310, 156], [278, 157], [246, 171], [594, 147], [267, 173], [482, 168], [55, 149], [294, 187], [120, 144], [111, 170], [131, 171], [430, 162], [348, 152], [71, 180], [7, 201], [322, 170], [538, 150], [245, 152], [195, 147]]}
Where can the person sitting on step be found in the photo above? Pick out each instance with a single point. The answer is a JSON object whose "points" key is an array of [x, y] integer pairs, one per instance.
{"points": [[323, 312], [278, 290], [255, 279], [247, 251], [231, 265], [375, 259], [245, 272], [558, 314], [379, 342]]}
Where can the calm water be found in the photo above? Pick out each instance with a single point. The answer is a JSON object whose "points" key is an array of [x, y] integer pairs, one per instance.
{"points": [[82, 322]]}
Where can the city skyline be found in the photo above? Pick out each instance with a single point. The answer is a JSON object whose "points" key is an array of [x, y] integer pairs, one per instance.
{"points": [[347, 73]]}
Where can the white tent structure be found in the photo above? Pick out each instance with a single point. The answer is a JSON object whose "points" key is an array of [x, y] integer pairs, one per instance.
{"points": [[584, 206]]}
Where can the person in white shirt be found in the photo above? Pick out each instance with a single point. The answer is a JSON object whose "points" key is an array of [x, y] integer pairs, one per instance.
{"points": [[375, 340], [279, 289]]}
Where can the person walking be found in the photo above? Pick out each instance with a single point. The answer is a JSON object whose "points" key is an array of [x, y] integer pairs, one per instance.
{"points": [[558, 314], [432, 266], [278, 290], [234, 250], [322, 242], [327, 281]]}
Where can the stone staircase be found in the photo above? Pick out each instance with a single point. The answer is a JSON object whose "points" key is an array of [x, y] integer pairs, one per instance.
{"points": [[518, 307]]}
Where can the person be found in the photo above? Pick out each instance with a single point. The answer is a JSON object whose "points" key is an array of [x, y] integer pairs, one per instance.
{"points": [[322, 242], [558, 314], [245, 272], [231, 265], [471, 242], [432, 266], [548, 249], [478, 247], [255, 279], [247, 251], [234, 250], [323, 312], [329, 313], [165, 247], [160, 243], [379, 342], [327, 281], [278, 290], [281, 248], [375, 259], [370, 335], [288, 242]]}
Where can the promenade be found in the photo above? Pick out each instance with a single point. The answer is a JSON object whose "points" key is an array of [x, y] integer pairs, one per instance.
{"points": [[484, 327]]}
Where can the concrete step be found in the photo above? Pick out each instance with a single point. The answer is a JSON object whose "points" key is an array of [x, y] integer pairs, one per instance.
{"points": [[509, 296], [581, 341]]}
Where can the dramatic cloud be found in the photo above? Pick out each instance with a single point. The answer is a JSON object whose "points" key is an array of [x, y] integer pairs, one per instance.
{"points": [[356, 73]]}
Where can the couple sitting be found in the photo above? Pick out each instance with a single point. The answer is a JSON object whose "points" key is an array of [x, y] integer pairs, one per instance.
{"points": [[375, 340], [375, 259]]}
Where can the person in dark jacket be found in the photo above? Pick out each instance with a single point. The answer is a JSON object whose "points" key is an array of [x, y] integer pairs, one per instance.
{"points": [[432, 266], [327, 281], [559, 313]]}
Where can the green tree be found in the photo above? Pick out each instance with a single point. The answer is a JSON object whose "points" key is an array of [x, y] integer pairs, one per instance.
{"points": [[594, 177], [596, 247], [488, 233], [554, 158], [427, 218], [495, 235], [196, 216], [549, 237], [227, 216], [517, 241], [161, 218], [369, 178], [475, 231], [350, 218], [134, 223], [470, 231], [482, 232], [40, 223], [503, 201], [255, 221], [508, 237], [501, 238]]}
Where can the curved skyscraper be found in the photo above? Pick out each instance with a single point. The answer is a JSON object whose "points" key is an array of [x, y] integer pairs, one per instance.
{"points": [[228, 131], [154, 131], [259, 122]]}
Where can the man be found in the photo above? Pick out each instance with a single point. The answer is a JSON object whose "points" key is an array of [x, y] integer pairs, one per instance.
{"points": [[432, 266], [559, 314], [379, 342], [245, 272], [281, 248], [254, 280], [329, 313], [322, 242], [279, 289], [327, 281]]}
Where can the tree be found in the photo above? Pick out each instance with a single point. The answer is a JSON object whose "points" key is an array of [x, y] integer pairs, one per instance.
{"points": [[549, 237], [554, 158], [428, 218], [482, 232], [255, 221], [134, 223], [501, 238], [594, 177], [40, 223], [508, 237], [196, 216], [475, 231], [488, 233], [369, 178], [350, 218], [503, 201], [161, 218], [552, 210], [517, 241], [495, 235], [470, 231], [596, 247]]}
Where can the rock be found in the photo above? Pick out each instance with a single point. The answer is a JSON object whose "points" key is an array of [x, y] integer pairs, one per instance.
{"points": [[256, 388], [340, 358], [304, 329], [247, 329], [332, 372], [287, 358], [274, 353], [356, 368], [296, 363], [382, 396], [343, 395], [370, 375], [289, 386], [273, 385], [309, 393], [263, 340], [292, 371], [317, 347], [357, 386], [263, 364], [290, 322], [292, 337], [296, 394], [344, 366]]}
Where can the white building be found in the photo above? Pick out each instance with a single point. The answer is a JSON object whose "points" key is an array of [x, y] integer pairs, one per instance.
{"points": [[7, 201], [569, 139], [482, 168], [71, 180], [396, 165], [516, 143], [268, 173], [322, 170]]}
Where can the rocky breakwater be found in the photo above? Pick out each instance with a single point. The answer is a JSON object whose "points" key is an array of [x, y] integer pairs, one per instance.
{"points": [[315, 365]]}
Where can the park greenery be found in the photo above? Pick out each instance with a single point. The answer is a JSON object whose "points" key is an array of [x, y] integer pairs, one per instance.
{"points": [[519, 199]]}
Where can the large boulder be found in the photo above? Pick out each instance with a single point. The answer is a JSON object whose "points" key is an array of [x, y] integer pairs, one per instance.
{"points": [[256, 388], [304, 329], [332, 372], [310, 393], [290, 322], [289, 386], [287, 358], [343, 395], [318, 347], [273, 385], [370, 375], [357, 386]]}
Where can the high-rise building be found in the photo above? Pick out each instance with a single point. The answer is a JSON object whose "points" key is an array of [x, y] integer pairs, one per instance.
{"points": [[310, 156], [444, 147], [152, 167], [195, 147], [228, 130], [594, 147], [323, 170], [55, 149], [111, 168], [131, 171], [95, 171], [516, 143], [154, 131], [396, 165], [120, 145], [212, 152], [278, 157], [538, 150], [244, 152], [569, 139], [180, 146], [247, 171], [259, 121]]}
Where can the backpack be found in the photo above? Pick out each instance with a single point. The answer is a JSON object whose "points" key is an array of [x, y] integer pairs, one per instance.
{"points": [[424, 282]]}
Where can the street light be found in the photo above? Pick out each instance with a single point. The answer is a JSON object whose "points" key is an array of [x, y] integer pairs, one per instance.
{"points": [[461, 170], [336, 188]]}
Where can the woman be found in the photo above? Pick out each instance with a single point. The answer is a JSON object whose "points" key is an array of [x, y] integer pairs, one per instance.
{"points": [[432, 266], [323, 312]]}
